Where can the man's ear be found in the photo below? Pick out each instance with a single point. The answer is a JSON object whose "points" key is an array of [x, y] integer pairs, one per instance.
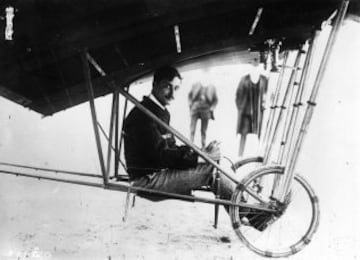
{"points": [[155, 87]]}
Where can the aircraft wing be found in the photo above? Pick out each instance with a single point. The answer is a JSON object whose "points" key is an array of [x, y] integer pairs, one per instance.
{"points": [[41, 67]]}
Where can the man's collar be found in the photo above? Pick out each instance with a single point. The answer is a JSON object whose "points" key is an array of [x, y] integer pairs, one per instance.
{"points": [[153, 98]]}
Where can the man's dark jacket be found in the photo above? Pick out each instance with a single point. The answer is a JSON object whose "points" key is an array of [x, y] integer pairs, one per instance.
{"points": [[149, 147], [249, 102]]}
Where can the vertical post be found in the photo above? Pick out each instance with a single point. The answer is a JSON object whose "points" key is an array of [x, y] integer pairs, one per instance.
{"points": [[286, 141], [111, 131], [299, 98], [90, 90], [217, 196], [290, 167], [264, 141], [287, 94], [117, 153], [290, 108], [122, 127]]}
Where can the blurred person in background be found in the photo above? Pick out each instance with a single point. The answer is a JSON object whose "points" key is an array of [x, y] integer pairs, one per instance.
{"points": [[202, 102], [250, 98]]}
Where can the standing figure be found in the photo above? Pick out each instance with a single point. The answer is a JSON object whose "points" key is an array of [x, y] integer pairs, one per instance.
{"points": [[202, 102], [250, 96]]}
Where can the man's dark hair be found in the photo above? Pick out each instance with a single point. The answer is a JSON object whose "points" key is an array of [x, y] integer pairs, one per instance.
{"points": [[166, 72]]}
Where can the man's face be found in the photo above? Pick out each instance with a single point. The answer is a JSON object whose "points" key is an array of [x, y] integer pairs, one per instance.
{"points": [[165, 90]]}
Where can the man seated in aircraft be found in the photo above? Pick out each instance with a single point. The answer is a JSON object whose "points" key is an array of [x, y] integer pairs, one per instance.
{"points": [[153, 159]]}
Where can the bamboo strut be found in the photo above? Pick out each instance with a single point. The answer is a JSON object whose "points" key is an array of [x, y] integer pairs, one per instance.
{"points": [[90, 89], [112, 147], [50, 170], [125, 187], [299, 98], [111, 130], [269, 125], [288, 124], [289, 169], [287, 94], [289, 111], [117, 153], [122, 127], [86, 183]]}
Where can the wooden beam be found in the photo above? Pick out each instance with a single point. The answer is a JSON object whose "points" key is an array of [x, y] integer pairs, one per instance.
{"points": [[90, 90]]}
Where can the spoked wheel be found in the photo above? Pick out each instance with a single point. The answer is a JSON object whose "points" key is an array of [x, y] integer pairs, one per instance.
{"points": [[283, 232]]}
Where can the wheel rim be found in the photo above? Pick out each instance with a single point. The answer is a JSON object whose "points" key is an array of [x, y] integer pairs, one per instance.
{"points": [[286, 234]]}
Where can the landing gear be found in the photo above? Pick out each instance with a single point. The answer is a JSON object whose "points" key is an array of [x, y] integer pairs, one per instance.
{"points": [[286, 230]]}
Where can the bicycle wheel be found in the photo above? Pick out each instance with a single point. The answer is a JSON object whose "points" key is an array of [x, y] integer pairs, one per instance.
{"points": [[279, 234]]}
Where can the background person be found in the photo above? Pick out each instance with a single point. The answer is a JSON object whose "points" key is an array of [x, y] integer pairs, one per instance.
{"points": [[250, 98], [202, 100]]}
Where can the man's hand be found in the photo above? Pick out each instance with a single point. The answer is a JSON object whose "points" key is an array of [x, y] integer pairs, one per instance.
{"points": [[213, 150]]}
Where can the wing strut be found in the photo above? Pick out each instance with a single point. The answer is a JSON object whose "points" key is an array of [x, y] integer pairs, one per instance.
{"points": [[291, 163], [90, 90]]}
